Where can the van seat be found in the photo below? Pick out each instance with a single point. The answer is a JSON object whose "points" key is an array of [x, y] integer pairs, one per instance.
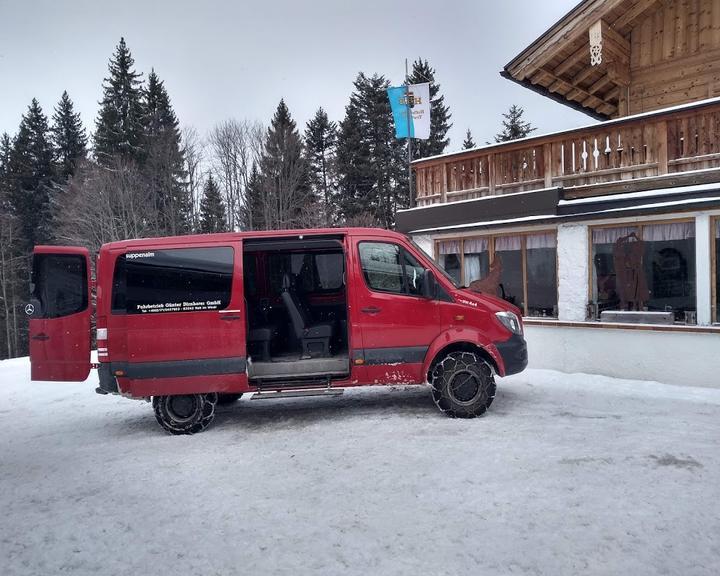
{"points": [[314, 338]]}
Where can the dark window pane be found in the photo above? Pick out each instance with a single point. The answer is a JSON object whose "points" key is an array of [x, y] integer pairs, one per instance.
{"points": [[382, 266], [451, 264], [178, 280], [605, 289], [717, 272], [250, 274], [330, 269], [542, 281], [670, 273], [60, 284], [509, 250]]}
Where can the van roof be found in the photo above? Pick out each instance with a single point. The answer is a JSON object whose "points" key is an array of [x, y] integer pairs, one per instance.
{"points": [[234, 236]]}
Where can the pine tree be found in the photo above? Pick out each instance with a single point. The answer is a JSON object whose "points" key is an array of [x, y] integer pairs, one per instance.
{"points": [[371, 161], [468, 143], [119, 126], [353, 166], [68, 137], [321, 146], [163, 159], [514, 126], [31, 175], [212, 209], [439, 113], [252, 213], [287, 199]]}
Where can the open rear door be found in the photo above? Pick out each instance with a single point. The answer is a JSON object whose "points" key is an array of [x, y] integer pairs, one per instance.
{"points": [[59, 312]]}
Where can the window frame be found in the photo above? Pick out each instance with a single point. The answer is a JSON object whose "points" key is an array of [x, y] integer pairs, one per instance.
{"points": [[491, 254], [632, 224], [714, 304], [403, 251]]}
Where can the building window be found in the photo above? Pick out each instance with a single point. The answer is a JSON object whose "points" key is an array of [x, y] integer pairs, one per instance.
{"points": [[449, 257], [541, 265], [645, 267], [520, 268], [716, 248], [476, 253], [509, 254]]}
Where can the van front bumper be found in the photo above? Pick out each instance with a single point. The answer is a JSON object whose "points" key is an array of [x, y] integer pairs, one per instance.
{"points": [[514, 354]]}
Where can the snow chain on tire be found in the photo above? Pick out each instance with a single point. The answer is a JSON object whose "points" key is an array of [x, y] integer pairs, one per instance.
{"points": [[454, 365], [203, 418]]}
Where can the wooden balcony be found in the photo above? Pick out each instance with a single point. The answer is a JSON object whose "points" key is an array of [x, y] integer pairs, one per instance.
{"points": [[683, 139]]}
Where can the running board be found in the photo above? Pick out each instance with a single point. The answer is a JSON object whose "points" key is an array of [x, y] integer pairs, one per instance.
{"points": [[268, 394]]}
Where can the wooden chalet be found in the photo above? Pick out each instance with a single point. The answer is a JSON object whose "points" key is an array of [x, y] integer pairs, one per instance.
{"points": [[558, 209]]}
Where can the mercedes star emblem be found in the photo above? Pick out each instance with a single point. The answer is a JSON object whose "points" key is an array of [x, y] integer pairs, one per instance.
{"points": [[29, 309]]}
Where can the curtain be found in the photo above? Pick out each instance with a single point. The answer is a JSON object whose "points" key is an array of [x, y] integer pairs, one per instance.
{"points": [[541, 241], [472, 268], [610, 235], [717, 229], [475, 245], [449, 247], [507, 243], [666, 232]]}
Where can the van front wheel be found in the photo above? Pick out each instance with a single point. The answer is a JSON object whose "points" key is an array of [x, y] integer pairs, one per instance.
{"points": [[462, 385], [186, 413]]}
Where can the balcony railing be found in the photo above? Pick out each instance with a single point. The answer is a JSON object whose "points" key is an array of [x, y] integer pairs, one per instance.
{"points": [[681, 139]]}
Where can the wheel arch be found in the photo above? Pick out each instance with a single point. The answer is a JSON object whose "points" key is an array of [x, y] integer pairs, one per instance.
{"points": [[486, 351]]}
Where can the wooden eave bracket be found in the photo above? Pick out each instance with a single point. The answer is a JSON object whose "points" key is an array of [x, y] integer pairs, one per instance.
{"points": [[611, 50]]}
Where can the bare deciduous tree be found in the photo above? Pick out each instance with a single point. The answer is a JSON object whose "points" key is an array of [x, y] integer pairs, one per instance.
{"points": [[106, 203], [194, 148], [234, 147]]}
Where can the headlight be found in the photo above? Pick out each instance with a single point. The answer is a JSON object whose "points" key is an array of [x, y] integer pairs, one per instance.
{"points": [[510, 321]]}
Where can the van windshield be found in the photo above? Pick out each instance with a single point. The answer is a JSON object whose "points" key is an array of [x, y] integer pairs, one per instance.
{"points": [[433, 264]]}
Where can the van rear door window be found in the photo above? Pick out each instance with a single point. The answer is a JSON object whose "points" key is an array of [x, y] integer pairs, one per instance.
{"points": [[175, 280], [59, 284]]}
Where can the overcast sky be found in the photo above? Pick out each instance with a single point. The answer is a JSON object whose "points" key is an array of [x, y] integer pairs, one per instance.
{"points": [[222, 59]]}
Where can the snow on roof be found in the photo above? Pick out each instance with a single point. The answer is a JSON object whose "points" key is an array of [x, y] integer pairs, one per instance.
{"points": [[643, 194]]}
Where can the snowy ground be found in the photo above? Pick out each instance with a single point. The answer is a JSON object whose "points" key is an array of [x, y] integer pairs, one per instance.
{"points": [[565, 475]]}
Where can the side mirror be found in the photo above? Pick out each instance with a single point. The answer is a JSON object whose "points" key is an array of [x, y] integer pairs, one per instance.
{"points": [[429, 285]]}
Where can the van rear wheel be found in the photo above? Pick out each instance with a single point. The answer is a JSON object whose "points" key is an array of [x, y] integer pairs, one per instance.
{"points": [[185, 413], [462, 385]]}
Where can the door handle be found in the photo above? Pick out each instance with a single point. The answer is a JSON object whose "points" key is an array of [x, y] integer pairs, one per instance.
{"points": [[371, 310], [230, 318], [41, 337]]}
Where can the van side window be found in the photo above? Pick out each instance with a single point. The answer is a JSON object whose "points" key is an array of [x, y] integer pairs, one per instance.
{"points": [[414, 272], [175, 280], [389, 268], [59, 284], [315, 271]]}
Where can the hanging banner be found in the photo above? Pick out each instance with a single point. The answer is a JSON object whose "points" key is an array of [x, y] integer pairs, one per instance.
{"points": [[417, 98]]}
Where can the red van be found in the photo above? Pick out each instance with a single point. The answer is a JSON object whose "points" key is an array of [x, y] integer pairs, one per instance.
{"points": [[191, 321]]}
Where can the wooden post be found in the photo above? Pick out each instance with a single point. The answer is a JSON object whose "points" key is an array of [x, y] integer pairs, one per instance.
{"points": [[547, 161], [491, 174], [661, 135], [444, 190]]}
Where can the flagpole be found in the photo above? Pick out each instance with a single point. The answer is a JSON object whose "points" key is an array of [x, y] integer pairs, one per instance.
{"points": [[409, 139]]}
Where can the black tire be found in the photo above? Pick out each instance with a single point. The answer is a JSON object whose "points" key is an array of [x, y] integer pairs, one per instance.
{"points": [[185, 414], [463, 385], [225, 399]]}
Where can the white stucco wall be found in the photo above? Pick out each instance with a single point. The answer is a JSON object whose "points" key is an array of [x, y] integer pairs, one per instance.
{"points": [[572, 254], [689, 359], [703, 270]]}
